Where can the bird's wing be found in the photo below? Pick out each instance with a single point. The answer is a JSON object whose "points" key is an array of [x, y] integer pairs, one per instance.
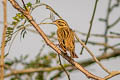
{"points": [[62, 36], [70, 41]]}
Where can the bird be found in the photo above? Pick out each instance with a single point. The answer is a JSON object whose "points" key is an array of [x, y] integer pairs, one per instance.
{"points": [[66, 37]]}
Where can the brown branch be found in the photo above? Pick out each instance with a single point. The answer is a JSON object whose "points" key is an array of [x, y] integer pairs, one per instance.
{"points": [[49, 69], [112, 74], [3, 40], [102, 57], [94, 57], [31, 70], [49, 43]]}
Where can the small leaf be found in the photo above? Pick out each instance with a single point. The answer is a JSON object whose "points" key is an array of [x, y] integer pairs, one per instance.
{"points": [[29, 4], [15, 18], [14, 23]]}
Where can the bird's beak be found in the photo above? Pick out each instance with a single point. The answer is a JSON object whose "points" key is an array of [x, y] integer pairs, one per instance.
{"points": [[54, 22]]}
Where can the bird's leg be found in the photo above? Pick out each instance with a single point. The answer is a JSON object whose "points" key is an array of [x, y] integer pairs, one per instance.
{"points": [[58, 45]]}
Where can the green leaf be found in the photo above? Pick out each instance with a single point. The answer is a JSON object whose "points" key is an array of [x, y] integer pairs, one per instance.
{"points": [[29, 4], [17, 19], [14, 23]]}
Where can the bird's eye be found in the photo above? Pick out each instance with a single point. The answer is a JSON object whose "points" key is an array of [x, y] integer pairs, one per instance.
{"points": [[58, 21]]}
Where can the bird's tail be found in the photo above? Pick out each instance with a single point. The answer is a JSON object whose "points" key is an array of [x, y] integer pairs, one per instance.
{"points": [[73, 55]]}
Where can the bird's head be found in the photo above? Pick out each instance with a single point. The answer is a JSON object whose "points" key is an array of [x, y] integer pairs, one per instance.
{"points": [[60, 23]]}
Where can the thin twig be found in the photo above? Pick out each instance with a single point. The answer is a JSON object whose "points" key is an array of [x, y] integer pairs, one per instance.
{"points": [[115, 22], [91, 22], [101, 44], [115, 33], [107, 25], [41, 50], [57, 75], [116, 5], [47, 7], [112, 74], [94, 57], [3, 40], [24, 5], [64, 68], [115, 45], [12, 42], [99, 35]]}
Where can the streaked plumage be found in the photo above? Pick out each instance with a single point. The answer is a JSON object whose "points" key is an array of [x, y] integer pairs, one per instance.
{"points": [[65, 37]]}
